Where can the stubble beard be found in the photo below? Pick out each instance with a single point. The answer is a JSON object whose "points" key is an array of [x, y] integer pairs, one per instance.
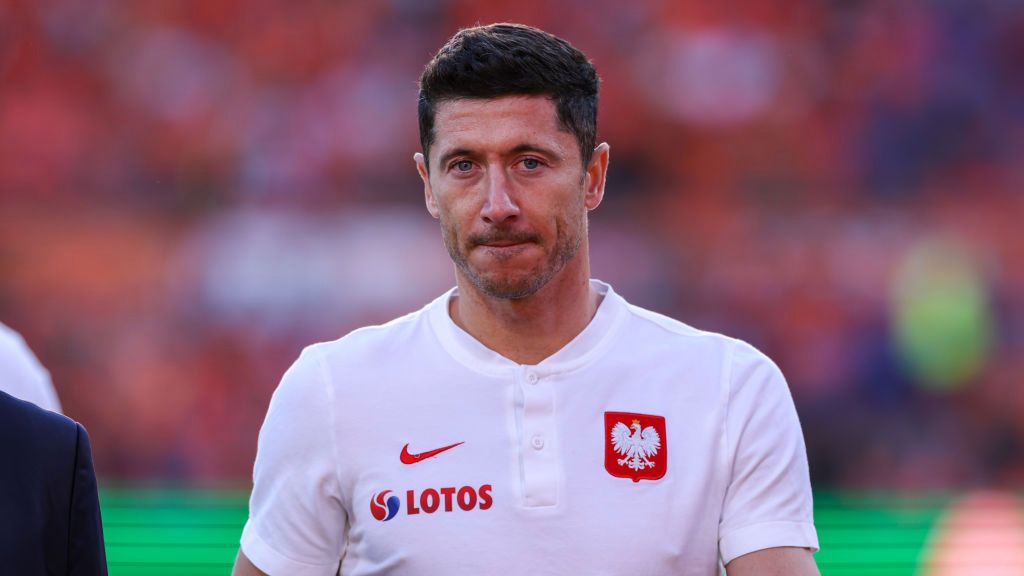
{"points": [[523, 285]]}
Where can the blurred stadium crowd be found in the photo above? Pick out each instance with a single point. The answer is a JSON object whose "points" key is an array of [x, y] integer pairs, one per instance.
{"points": [[192, 191]]}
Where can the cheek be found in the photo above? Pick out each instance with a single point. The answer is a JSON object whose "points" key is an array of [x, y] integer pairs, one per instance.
{"points": [[571, 208], [456, 204], [446, 223], [453, 226]]}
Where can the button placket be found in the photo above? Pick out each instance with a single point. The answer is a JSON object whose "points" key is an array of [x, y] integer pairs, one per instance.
{"points": [[539, 458]]}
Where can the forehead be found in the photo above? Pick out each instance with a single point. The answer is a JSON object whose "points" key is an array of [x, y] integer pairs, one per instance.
{"points": [[497, 124]]}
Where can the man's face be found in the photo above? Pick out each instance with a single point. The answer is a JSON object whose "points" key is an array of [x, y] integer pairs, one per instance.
{"points": [[510, 191]]}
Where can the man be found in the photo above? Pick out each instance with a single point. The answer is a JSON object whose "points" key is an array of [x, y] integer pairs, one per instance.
{"points": [[530, 420], [21, 374], [49, 507]]}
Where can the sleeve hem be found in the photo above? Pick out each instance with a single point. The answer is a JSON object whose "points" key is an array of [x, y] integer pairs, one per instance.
{"points": [[767, 535], [273, 562]]}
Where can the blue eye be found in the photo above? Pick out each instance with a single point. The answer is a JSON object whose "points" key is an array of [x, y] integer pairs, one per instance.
{"points": [[531, 163], [463, 165]]}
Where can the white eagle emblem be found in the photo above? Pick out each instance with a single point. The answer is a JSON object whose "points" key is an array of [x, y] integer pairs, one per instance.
{"points": [[636, 446]]}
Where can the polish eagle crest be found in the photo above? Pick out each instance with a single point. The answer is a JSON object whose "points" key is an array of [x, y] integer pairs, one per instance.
{"points": [[635, 445]]}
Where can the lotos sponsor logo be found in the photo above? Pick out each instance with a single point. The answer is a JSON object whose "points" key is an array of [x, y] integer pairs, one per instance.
{"points": [[383, 507], [430, 500], [466, 498]]}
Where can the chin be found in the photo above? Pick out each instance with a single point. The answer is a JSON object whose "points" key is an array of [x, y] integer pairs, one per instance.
{"points": [[506, 288]]}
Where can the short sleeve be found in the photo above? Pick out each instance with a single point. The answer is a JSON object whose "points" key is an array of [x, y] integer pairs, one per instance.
{"points": [[297, 523], [768, 502]]}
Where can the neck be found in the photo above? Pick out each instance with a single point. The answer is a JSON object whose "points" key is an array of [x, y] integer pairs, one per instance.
{"points": [[528, 330]]}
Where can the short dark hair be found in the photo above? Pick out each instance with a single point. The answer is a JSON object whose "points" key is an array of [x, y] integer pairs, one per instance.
{"points": [[507, 60]]}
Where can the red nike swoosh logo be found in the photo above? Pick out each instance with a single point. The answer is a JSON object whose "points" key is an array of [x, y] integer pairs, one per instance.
{"points": [[408, 458]]}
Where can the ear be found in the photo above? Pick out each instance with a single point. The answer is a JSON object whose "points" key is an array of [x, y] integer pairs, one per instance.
{"points": [[428, 192], [597, 169]]}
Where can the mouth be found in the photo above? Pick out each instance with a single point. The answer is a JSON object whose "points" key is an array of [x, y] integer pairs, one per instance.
{"points": [[505, 249], [503, 243], [503, 240]]}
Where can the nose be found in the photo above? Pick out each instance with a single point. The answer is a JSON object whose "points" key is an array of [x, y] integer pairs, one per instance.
{"points": [[499, 206]]}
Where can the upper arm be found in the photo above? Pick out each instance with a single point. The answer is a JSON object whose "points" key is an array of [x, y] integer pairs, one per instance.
{"points": [[297, 519], [768, 502], [774, 562], [243, 567]]}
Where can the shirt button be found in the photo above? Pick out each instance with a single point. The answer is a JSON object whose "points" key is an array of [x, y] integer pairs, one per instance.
{"points": [[537, 442], [531, 378]]}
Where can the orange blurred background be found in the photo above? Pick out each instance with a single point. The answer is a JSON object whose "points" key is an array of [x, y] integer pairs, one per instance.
{"points": [[190, 192]]}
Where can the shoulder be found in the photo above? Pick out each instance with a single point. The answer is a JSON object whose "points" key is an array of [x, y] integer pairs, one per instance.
{"points": [[15, 357], [739, 363], [668, 327], [27, 413], [363, 351], [27, 427], [13, 348], [654, 328], [9, 338], [21, 374], [371, 342]]}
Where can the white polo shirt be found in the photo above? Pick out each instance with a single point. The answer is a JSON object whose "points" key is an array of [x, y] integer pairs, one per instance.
{"points": [[21, 374], [643, 446]]}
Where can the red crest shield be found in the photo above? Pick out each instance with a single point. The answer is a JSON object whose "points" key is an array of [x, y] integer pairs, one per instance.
{"points": [[635, 445]]}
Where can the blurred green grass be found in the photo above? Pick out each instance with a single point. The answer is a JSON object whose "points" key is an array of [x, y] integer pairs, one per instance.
{"points": [[152, 532], [874, 535]]}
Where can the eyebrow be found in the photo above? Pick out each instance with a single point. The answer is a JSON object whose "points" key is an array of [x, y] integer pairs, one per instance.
{"points": [[537, 149], [443, 160], [521, 148]]}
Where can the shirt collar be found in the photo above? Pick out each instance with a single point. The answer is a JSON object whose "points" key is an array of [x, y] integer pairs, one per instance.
{"points": [[581, 350]]}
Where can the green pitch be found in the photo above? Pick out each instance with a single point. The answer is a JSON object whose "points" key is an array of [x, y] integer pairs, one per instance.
{"points": [[172, 532], [196, 532], [876, 535]]}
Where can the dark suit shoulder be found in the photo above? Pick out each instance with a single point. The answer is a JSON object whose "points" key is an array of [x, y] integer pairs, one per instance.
{"points": [[48, 497], [24, 422]]}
